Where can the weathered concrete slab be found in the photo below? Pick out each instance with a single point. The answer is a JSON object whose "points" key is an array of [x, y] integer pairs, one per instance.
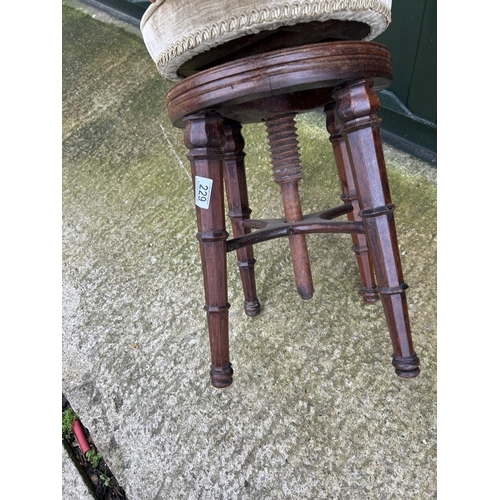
{"points": [[315, 410]]}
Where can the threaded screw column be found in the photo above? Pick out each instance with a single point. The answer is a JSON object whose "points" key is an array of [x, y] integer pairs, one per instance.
{"points": [[287, 171]]}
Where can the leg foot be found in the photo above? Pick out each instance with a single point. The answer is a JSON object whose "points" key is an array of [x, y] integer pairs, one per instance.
{"points": [[406, 367], [221, 376], [252, 308]]}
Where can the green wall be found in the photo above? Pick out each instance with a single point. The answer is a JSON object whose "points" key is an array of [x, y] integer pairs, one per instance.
{"points": [[410, 105], [412, 39]]}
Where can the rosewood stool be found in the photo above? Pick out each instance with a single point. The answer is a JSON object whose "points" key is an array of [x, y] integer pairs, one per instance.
{"points": [[340, 76]]}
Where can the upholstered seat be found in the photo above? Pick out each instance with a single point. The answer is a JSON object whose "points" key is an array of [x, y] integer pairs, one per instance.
{"points": [[183, 36]]}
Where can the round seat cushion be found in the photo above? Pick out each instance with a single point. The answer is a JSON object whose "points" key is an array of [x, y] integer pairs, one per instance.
{"points": [[186, 36]]}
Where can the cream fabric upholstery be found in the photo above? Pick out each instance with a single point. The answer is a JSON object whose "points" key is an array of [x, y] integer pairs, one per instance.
{"points": [[176, 30]]}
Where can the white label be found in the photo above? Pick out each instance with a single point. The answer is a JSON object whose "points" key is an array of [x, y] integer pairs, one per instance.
{"points": [[203, 191]]}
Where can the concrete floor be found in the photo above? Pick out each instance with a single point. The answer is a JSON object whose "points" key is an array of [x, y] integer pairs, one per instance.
{"points": [[315, 410]]}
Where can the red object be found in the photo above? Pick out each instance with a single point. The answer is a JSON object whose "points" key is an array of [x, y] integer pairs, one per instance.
{"points": [[80, 436]]}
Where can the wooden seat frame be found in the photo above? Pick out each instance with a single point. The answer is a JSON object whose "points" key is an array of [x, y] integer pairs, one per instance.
{"points": [[340, 77]]}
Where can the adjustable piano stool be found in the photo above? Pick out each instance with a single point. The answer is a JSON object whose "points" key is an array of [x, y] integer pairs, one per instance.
{"points": [[239, 62]]}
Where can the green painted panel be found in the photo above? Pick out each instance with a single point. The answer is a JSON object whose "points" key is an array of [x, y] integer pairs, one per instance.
{"points": [[402, 38], [422, 97], [409, 108]]}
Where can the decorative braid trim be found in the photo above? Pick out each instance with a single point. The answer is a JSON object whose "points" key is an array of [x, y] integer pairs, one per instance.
{"points": [[278, 14]]}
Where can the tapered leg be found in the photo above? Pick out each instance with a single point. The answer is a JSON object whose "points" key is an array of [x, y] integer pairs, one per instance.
{"points": [[239, 210], [287, 172], [349, 195], [204, 138], [357, 107]]}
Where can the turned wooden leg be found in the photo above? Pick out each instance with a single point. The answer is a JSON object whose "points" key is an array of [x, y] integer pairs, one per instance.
{"points": [[237, 199], [349, 195], [287, 172], [204, 138], [357, 107]]}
